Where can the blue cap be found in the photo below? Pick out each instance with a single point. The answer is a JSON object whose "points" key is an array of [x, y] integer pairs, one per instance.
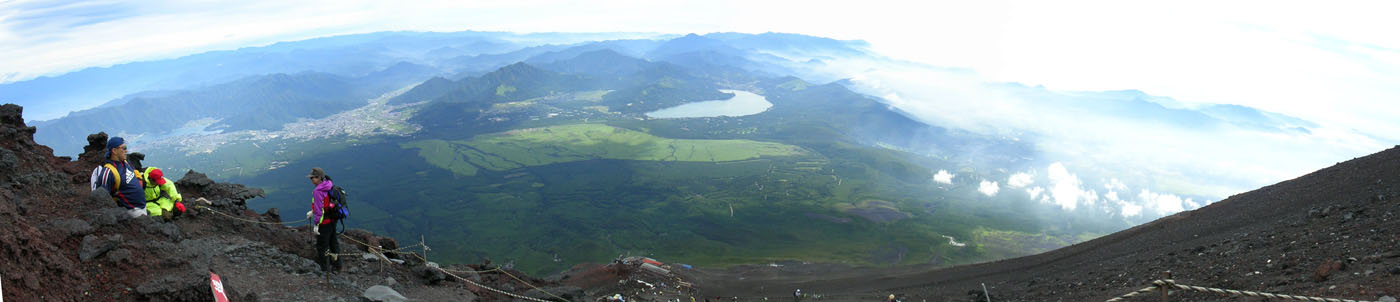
{"points": [[112, 143]]}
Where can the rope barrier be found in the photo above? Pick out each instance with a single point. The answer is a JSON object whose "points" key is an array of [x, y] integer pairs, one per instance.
{"points": [[1129, 295], [527, 284], [246, 220], [1252, 294], [1161, 284], [499, 291], [380, 252]]}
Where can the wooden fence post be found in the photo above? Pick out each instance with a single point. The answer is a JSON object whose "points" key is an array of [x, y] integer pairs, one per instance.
{"points": [[1166, 288]]}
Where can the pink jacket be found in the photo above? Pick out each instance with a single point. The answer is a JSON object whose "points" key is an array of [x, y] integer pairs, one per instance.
{"points": [[320, 199]]}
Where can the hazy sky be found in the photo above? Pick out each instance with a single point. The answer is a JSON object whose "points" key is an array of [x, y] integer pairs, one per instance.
{"points": [[1328, 61]]}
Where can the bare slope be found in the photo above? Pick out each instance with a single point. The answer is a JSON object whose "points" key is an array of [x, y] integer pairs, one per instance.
{"points": [[1331, 233]]}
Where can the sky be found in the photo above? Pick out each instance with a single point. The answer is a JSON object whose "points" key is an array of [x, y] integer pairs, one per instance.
{"points": [[1336, 63]]}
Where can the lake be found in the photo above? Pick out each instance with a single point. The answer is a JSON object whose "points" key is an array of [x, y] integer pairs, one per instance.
{"points": [[743, 103]]}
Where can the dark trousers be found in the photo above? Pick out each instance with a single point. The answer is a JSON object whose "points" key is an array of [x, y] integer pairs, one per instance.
{"points": [[324, 242]]}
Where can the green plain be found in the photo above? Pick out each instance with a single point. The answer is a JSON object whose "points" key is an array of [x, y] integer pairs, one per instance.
{"points": [[569, 143]]}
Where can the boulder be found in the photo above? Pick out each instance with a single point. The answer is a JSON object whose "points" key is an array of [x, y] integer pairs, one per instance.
{"points": [[94, 246], [155, 226], [188, 285], [8, 162], [119, 256], [68, 227], [430, 275], [272, 214], [96, 149], [380, 293], [1327, 268]]}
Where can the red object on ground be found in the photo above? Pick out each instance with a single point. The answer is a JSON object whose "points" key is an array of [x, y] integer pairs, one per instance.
{"points": [[180, 206], [218, 287], [652, 261]]}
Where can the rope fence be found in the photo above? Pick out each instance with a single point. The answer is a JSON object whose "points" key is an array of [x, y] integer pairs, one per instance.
{"points": [[1167, 284], [379, 253], [1135, 293], [231, 216]]}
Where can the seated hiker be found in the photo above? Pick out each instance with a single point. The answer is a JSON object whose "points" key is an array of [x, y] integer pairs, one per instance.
{"points": [[120, 179], [162, 200]]}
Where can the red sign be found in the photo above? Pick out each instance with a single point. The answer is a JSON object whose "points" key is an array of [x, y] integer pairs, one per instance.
{"points": [[218, 287]]}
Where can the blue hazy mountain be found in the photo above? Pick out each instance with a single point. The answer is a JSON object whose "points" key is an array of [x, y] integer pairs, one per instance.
{"points": [[1257, 119], [350, 55], [629, 48], [263, 102], [599, 63], [792, 44]]}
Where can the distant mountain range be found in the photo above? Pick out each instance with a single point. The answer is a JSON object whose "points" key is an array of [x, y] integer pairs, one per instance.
{"points": [[263, 102], [351, 56]]}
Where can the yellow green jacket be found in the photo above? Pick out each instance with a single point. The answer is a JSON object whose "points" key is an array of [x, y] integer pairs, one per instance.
{"points": [[162, 194]]}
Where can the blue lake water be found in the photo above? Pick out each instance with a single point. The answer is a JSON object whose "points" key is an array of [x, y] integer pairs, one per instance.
{"points": [[743, 103]]}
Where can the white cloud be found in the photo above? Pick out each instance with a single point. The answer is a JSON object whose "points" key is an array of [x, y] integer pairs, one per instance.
{"points": [[943, 177], [1112, 195], [1130, 210], [1114, 184], [1020, 180], [1162, 203], [1122, 148], [989, 188], [1035, 192], [1067, 190]]}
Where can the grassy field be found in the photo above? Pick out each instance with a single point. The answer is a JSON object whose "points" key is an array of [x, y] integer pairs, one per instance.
{"points": [[568, 143]]}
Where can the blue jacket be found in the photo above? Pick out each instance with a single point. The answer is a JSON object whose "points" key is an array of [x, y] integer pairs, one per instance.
{"points": [[131, 194]]}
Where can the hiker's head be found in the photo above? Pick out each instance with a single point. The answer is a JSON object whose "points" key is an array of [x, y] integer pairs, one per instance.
{"points": [[116, 148], [157, 176], [317, 175]]}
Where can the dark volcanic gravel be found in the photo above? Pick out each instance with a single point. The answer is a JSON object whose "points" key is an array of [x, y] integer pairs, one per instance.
{"points": [[1333, 233]]}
